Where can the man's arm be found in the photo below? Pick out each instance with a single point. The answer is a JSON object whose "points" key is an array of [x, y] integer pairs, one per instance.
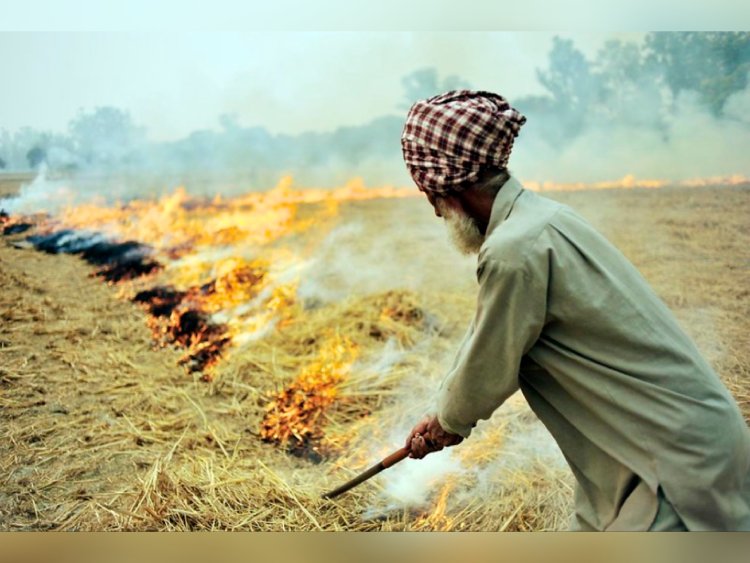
{"points": [[511, 312]]}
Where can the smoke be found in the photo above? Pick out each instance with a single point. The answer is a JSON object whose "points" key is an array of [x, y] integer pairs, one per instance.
{"points": [[386, 360], [412, 483], [686, 142], [512, 441], [381, 247], [672, 108], [39, 195], [603, 116], [50, 192], [689, 143], [401, 245], [737, 107]]}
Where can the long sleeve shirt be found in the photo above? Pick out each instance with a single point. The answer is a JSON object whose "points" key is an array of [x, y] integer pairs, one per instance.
{"points": [[601, 360]]}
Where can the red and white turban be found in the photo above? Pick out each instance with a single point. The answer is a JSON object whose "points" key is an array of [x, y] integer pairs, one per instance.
{"points": [[449, 138]]}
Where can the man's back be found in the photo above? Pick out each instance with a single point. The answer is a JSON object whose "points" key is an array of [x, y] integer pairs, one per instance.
{"points": [[618, 383]]}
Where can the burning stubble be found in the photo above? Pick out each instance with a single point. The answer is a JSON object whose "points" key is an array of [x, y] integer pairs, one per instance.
{"points": [[294, 416], [227, 283], [341, 375], [505, 461], [222, 280]]}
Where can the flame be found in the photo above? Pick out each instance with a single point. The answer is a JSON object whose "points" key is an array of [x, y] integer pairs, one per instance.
{"points": [[295, 416], [275, 311], [438, 518], [237, 281], [219, 274], [630, 181], [178, 222]]}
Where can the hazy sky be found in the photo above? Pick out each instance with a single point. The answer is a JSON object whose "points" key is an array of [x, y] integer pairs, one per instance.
{"points": [[288, 82]]}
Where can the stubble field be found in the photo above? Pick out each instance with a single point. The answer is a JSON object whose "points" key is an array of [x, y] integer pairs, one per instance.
{"points": [[101, 429]]}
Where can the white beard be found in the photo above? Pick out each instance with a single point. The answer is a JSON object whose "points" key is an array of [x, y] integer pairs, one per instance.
{"points": [[463, 230]]}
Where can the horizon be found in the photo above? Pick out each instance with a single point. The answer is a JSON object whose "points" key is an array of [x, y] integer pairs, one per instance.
{"points": [[176, 83]]}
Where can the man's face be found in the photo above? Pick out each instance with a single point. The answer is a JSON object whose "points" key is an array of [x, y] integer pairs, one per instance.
{"points": [[463, 230]]}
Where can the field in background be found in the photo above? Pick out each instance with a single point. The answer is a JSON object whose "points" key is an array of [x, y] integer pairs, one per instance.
{"points": [[102, 431], [11, 182]]}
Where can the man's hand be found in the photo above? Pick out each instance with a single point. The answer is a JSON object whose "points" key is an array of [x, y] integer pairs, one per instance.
{"points": [[428, 436]]}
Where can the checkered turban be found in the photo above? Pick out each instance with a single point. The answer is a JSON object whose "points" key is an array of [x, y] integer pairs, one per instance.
{"points": [[448, 139]]}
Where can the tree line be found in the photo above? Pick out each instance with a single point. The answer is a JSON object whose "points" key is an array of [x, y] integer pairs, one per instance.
{"points": [[624, 83]]}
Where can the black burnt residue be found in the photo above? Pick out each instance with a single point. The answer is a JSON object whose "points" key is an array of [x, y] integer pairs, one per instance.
{"points": [[117, 261], [179, 320], [121, 260], [16, 228], [65, 242], [160, 301], [176, 317], [128, 270], [13, 226], [107, 253]]}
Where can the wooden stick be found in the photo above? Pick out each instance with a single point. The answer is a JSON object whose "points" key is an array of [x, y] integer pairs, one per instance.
{"points": [[385, 463]]}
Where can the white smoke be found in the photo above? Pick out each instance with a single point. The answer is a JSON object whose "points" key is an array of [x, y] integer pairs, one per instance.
{"points": [[512, 440], [737, 106], [41, 194], [412, 482], [384, 245], [525, 445], [695, 144]]}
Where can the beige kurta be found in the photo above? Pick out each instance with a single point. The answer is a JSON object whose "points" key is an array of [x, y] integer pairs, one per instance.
{"points": [[637, 412]]}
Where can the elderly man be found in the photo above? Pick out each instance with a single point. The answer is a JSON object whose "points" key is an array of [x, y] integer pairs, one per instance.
{"points": [[654, 439]]}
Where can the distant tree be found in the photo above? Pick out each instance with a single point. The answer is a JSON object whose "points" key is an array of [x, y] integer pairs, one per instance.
{"points": [[619, 64], [15, 146], [107, 135], [630, 85], [36, 156], [714, 64], [575, 89], [2, 163], [424, 83]]}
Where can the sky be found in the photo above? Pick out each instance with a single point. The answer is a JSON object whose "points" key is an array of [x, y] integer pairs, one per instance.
{"points": [[289, 82]]}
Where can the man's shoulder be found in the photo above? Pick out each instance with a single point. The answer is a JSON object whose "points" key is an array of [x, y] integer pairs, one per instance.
{"points": [[516, 238]]}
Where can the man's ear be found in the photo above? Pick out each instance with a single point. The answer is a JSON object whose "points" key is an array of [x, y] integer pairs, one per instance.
{"points": [[443, 202], [454, 202]]}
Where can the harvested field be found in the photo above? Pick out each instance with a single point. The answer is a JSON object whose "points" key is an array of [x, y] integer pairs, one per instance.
{"points": [[9, 183], [105, 428]]}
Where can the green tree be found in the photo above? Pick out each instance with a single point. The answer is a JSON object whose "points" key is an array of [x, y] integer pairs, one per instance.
{"points": [[575, 89], [36, 156], [630, 85], [107, 135], [714, 64], [620, 64]]}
